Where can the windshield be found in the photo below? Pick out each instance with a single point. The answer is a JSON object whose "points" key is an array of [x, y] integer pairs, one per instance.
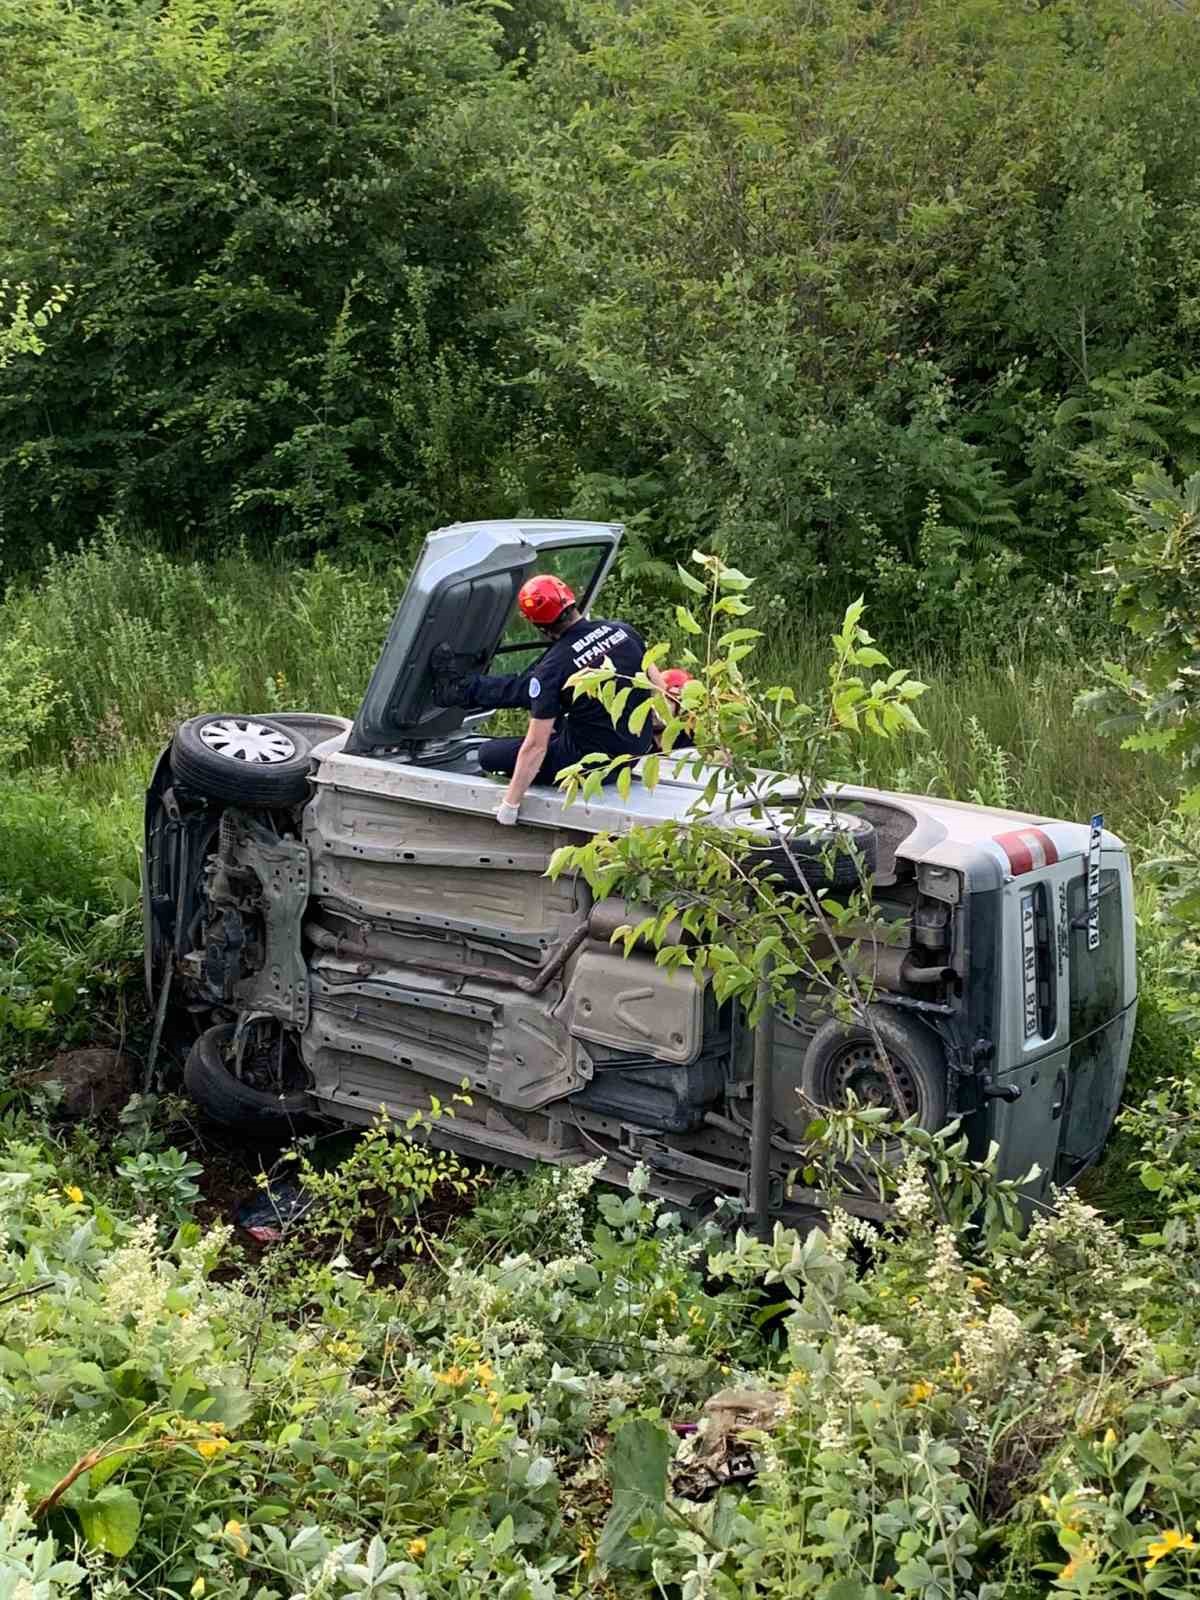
{"points": [[579, 566]]}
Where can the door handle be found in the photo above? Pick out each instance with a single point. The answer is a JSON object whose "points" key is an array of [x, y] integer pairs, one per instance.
{"points": [[1002, 1091], [1060, 1097]]}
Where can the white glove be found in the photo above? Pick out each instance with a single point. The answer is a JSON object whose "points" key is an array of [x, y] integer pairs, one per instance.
{"points": [[507, 814]]}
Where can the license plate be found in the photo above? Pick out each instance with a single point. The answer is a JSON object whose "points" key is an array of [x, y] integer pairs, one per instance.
{"points": [[1029, 963], [1093, 884]]}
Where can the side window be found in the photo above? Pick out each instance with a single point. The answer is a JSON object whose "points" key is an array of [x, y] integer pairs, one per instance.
{"points": [[578, 565], [1096, 975]]}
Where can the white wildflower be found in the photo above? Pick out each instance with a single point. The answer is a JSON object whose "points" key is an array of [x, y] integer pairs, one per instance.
{"points": [[989, 1347], [945, 1270], [913, 1203], [833, 1433]]}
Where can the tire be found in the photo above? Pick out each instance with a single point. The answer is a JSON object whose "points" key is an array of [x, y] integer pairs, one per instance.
{"points": [[841, 1056], [247, 761], [820, 852], [229, 1101]]}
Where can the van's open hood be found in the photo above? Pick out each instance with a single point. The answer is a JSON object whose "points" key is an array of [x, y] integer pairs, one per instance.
{"points": [[462, 592]]}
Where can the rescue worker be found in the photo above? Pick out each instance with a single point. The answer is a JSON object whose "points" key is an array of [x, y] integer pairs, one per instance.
{"points": [[563, 727]]}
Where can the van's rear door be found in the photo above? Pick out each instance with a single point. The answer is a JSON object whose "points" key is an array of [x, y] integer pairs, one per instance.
{"points": [[1069, 991], [1101, 1003]]}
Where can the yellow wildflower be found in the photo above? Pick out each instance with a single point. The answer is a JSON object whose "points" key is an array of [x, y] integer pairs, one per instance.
{"points": [[484, 1372], [417, 1548], [197, 1589], [1083, 1555], [74, 1193], [233, 1532], [209, 1448], [1167, 1543], [977, 1285], [1110, 1438], [918, 1392], [454, 1376]]}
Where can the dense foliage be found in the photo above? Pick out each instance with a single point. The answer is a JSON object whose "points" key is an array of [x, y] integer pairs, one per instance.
{"points": [[277, 220], [895, 295], [936, 1426]]}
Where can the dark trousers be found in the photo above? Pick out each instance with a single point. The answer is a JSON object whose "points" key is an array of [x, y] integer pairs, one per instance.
{"points": [[489, 692], [500, 756]]}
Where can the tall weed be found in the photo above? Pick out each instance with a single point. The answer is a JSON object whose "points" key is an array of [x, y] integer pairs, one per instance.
{"points": [[131, 642], [1000, 730]]}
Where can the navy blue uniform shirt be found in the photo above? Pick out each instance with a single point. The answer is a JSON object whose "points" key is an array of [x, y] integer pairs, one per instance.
{"points": [[586, 644]]}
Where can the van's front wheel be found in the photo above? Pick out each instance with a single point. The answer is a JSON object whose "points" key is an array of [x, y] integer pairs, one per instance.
{"points": [[267, 1098], [253, 762]]}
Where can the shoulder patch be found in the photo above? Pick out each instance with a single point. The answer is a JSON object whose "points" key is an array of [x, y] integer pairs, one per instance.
{"points": [[535, 688]]}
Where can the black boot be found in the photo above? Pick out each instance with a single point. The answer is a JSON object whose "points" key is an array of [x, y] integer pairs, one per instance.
{"points": [[449, 683]]}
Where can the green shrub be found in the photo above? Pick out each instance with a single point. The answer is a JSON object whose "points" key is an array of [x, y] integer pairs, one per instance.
{"points": [[264, 207], [1162, 1047], [846, 343], [70, 926], [56, 849], [135, 641], [28, 693]]}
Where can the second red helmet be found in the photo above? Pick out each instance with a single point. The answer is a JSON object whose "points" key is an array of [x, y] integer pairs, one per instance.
{"points": [[544, 599]]}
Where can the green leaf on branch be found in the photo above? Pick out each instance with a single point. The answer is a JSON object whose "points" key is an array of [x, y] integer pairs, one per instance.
{"points": [[111, 1519], [693, 585], [638, 1459]]}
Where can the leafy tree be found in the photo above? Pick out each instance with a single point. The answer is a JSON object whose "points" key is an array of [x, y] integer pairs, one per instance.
{"points": [[761, 759], [1153, 573], [281, 218], [823, 268], [20, 328]]}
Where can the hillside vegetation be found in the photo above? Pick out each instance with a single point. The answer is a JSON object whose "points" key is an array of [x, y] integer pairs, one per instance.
{"points": [[896, 299]]}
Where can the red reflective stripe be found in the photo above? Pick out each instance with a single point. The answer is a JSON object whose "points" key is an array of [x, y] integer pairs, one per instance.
{"points": [[1027, 849]]}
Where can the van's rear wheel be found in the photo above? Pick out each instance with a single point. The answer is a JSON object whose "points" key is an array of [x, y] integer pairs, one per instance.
{"points": [[822, 848], [269, 1097], [243, 761], [842, 1061]]}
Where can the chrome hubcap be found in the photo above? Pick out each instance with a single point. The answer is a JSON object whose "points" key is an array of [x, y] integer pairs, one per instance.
{"points": [[240, 739]]}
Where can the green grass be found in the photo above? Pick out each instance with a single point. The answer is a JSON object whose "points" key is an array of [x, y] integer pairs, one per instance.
{"points": [[1000, 729], [136, 642]]}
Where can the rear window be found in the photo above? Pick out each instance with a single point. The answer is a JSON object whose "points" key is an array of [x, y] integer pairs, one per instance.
{"points": [[1097, 976]]}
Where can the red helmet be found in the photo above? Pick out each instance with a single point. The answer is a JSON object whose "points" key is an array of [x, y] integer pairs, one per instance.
{"points": [[675, 678], [544, 599]]}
